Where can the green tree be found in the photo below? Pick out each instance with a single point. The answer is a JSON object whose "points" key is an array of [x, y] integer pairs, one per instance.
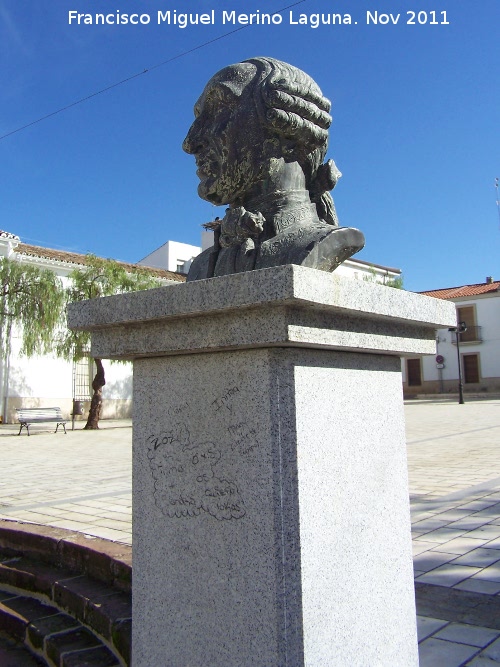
{"points": [[396, 282], [32, 300], [100, 277]]}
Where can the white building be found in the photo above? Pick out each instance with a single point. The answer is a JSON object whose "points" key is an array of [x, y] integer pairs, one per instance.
{"points": [[479, 347], [46, 381], [172, 256]]}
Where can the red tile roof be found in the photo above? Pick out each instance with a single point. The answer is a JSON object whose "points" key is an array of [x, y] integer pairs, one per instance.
{"points": [[464, 290], [81, 260]]}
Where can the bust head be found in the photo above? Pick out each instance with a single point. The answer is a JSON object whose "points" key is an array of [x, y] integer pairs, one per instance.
{"points": [[257, 121]]}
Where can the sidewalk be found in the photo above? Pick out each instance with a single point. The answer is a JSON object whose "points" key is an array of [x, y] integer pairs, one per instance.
{"points": [[454, 470], [82, 481]]}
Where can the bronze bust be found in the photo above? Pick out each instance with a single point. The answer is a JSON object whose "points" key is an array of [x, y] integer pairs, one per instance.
{"points": [[259, 137]]}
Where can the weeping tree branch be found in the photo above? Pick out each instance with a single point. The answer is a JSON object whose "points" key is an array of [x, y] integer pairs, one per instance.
{"points": [[33, 299]]}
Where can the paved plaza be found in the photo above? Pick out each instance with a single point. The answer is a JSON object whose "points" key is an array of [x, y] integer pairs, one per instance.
{"points": [[82, 481]]}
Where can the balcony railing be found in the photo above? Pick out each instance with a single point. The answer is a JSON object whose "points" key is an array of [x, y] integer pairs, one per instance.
{"points": [[472, 335]]}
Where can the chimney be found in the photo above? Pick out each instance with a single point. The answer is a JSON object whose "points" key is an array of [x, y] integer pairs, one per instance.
{"points": [[489, 280]]}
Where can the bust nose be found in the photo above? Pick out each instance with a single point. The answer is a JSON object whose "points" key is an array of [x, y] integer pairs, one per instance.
{"points": [[193, 142]]}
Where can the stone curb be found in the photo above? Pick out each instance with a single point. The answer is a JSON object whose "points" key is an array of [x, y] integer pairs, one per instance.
{"points": [[108, 562], [458, 606]]}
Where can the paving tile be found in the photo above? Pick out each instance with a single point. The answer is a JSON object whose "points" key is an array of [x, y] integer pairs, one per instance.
{"points": [[474, 585], [93, 503], [469, 523], [463, 633], [491, 573], [120, 516], [493, 511], [439, 653], [454, 514], [113, 508], [82, 509], [80, 517], [477, 504], [442, 535], [26, 515], [431, 560], [460, 545], [420, 546], [492, 544], [420, 516], [111, 523], [427, 626], [479, 557], [62, 508], [428, 525], [488, 532], [481, 662], [492, 651], [68, 524], [53, 511], [109, 534], [448, 575]]}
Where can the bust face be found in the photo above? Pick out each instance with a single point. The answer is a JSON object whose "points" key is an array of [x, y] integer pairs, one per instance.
{"points": [[227, 137]]}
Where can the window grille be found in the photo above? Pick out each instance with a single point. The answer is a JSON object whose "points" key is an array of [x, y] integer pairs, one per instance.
{"points": [[83, 374]]}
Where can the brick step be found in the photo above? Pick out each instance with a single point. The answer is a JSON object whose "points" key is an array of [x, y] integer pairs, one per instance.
{"points": [[69, 602], [109, 562], [15, 654], [53, 638]]}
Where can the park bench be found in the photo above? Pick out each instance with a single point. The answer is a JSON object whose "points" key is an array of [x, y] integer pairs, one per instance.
{"points": [[28, 416]]}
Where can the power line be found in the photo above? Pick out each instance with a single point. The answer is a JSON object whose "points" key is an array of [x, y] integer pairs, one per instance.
{"points": [[498, 199], [135, 76]]}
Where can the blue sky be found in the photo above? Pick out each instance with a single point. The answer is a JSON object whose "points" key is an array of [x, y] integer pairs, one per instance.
{"points": [[416, 135]]}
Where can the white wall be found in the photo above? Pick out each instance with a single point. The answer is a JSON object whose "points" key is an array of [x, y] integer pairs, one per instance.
{"points": [[39, 376], [354, 268], [207, 239]]}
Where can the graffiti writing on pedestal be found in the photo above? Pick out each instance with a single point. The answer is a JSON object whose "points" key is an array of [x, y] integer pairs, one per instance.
{"points": [[185, 480]]}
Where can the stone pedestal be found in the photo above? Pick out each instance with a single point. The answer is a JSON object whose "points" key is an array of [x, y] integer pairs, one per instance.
{"points": [[271, 510]]}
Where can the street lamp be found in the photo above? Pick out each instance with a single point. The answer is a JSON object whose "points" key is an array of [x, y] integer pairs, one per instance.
{"points": [[461, 328]]}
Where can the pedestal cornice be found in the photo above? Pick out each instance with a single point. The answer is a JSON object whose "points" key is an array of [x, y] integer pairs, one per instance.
{"points": [[284, 306]]}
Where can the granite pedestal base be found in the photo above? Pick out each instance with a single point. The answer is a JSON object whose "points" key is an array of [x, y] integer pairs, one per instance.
{"points": [[271, 511]]}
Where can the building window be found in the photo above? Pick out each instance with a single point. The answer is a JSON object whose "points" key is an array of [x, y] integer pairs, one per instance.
{"points": [[413, 372], [470, 363], [467, 314]]}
